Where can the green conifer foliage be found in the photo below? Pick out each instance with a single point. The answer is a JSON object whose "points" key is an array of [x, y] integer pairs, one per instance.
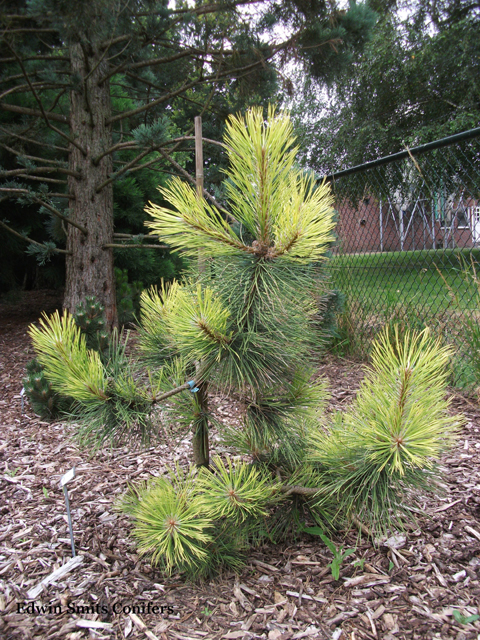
{"points": [[247, 324], [128, 296], [45, 401], [90, 319]]}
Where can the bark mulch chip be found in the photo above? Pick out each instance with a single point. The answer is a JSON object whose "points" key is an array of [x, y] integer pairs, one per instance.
{"points": [[424, 584]]}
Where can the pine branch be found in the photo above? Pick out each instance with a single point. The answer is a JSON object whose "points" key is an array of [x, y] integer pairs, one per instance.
{"points": [[25, 171], [116, 147], [39, 102], [124, 169], [32, 141], [168, 394], [27, 176], [200, 81], [21, 88], [135, 246], [192, 180], [33, 158], [146, 165], [222, 145], [31, 58], [205, 9], [290, 489], [105, 44], [18, 76], [26, 30], [46, 205], [134, 145], [33, 112], [150, 63], [26, 191], [31, 241], [15, 16], [150, 105], [61, 216]]}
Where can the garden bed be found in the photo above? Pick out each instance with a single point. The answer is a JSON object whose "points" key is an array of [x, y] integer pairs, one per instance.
{"points": [[410, 589]]}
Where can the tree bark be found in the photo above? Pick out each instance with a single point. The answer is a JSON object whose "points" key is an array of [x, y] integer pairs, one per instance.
{"points": [[89, 269], [200, 441]]}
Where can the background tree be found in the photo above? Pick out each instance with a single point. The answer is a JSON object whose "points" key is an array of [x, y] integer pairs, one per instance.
{"points": [[95, 91], [416, 81]]}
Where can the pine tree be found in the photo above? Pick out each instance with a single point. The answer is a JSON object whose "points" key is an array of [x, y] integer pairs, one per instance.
{"points": [[247, 323], [96, 92]]}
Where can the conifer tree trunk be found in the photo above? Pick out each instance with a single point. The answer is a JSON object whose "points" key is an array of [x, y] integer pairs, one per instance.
{"points": [[89, 270], [200, 441]]}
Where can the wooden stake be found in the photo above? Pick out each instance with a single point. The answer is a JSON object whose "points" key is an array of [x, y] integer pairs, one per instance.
{"points": [[199, 176], [199, 156], [200, 437]]}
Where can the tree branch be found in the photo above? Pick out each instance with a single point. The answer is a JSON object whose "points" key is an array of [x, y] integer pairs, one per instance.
{"points": [[25, 171], [32, 141], [46, 205], [110, 43], [124, 169], [154, 103], [27, 30], [146, 165], [27, 176], [289, 489], [30, 58], [116, 147], [134, 145], [61, 216], [135, 246], [39, 102], [192, 180], [52, 195], [150, 63], [173, 392], [34, 158], [208, 8], [137, 236], [22, 87], [31, 241], [33, 112], [206, 80]]}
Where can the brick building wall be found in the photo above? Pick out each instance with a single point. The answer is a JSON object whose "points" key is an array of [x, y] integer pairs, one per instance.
{"points": [[374, 226]]}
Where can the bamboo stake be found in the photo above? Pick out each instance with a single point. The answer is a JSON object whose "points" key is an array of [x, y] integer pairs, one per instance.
{"points": [[199, 175], [200, 437]]}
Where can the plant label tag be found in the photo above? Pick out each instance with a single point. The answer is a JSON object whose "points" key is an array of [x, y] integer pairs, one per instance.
{"points": [[22, 400], [67, 477]]}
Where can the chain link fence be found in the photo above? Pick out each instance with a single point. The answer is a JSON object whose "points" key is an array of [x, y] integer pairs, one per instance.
{"points": [[408, 241]]}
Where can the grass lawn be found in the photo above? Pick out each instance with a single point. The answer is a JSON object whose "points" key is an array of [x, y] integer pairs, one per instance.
{"points": [[382, 281]]}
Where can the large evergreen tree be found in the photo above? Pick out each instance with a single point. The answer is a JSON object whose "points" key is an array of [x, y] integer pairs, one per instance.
{"points": [[94, 90], [416, 81]]}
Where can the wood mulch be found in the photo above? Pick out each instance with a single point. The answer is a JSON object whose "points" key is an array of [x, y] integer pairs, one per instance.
{"points": [[409, 589]]}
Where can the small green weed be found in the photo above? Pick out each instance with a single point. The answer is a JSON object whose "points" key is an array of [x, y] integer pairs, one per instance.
{"points": [[45, 492], [339, 554], [461, 619], [207, 612], [359, 564]]}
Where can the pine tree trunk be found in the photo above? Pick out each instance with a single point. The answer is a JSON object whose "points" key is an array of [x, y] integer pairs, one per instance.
{"points": [[89, 270], [200, 443]]}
